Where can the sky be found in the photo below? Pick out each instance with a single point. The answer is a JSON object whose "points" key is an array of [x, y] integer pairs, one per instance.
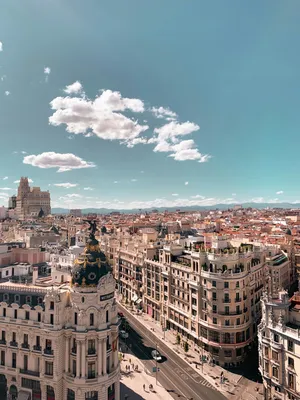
{"points": [[135, 104]]}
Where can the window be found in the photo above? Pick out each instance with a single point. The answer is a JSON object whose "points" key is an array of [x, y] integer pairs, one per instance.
{"points": [[70, 394], [28, 299], [25, 338], [91, 347], [27, 315], [267, 367], [227, 322], [14, 360], [238, 321], [215, 321], [214, 283], [51, 319], [49, 368], [214, 296], [17, 298], [291, 362], [5, 297], [291, 381], [48, 344], [51, 305], [3, 336], [226, 285], [274, 355], [266, 351], [107, 316], [75, 318], [91, 395], [276, 338], [82, 299], [38, 341], [74, 367], [25, 362], [226, 310], [2, 361], [214, 308], [275, 372], [290, 345], [91, 319], [237, 285], [4, 312], [39, 317], [16, 314], [14, 337], [91, 370], [40, 300]]}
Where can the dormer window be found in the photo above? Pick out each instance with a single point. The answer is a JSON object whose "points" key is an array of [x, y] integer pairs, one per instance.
{"points": [[28, 299], [17, 298], [5, 297], [40, 300]]}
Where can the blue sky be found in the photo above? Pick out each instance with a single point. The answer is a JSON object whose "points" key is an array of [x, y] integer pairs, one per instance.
{"points": [[150, 103]]}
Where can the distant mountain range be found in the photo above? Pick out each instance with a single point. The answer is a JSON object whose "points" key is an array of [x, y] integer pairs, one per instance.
{"points": [[189, 208]]}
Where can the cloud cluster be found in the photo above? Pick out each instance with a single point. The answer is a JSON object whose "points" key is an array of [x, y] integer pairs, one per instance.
{"points": [[47, 72], [109, 117], [63, 162], [29, 181], [1, 46], [101, 117], [66, 185], [279, 192]]}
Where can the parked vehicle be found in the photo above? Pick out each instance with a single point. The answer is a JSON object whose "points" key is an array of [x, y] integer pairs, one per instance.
{"points": [[156, 355]]}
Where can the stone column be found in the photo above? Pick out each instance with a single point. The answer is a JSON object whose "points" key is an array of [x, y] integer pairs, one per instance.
{"points": [[43, 391], [117, 390], [99, 357], [67, 367], [77, 359], [83, 359], [104, 357]]}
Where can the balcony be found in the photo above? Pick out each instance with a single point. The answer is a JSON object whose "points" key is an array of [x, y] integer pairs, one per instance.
{"points": [[91, 352], [37, 348], [13, 344], [25, 346], [258, 288], [237, 299], [2, 342], [48, 352], [226, 300], [28, 372]]}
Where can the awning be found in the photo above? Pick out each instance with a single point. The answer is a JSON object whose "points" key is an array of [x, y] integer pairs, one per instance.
{"points": [[134, 298], [23, 395], [138, 301]]}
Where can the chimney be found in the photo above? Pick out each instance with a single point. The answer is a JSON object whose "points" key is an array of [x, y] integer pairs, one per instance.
{"points": [[35, 275]]}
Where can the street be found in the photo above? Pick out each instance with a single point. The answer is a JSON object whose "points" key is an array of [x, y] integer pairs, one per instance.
{"points": [[174, 374]]}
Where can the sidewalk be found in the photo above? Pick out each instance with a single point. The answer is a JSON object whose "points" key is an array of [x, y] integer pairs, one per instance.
{"points": [[235, 387], [132, 382]]}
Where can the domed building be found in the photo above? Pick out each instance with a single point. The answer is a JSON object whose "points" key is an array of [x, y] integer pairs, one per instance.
{"points": [[65, 343]]}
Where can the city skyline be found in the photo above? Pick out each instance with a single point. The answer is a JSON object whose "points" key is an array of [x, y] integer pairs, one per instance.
{"points": [[108, 109]]}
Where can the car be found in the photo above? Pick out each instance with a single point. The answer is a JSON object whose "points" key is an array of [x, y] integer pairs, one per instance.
{"points": [[156, 355], [123, 334]]}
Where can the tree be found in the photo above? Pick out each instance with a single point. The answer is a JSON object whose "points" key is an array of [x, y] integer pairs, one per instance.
{"points": [[103, 229], [178, 339], [186, 347]]}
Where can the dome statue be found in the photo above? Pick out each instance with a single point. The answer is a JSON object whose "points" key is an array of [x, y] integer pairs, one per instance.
{"points": [[91, 265]]}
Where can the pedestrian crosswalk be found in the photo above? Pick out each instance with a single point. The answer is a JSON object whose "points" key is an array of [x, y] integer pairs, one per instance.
{"points": [[204, 382]]}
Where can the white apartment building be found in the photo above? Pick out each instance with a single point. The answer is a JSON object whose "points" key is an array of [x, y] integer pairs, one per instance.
{"points": [[59, 341], [279, 346]]}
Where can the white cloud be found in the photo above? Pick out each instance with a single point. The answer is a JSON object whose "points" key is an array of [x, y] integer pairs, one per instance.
{"points": [[133, 180], [75, 87], [166, 113], [279, 192], [273, 201], [47, 72], [7, 93], [5, 178], [198, 196], [29, 181], [233, 194], [257, 200], [1, 46], [6, 188], [174, 194], [2, 194], [186, 183], [64, 162], [3, 77], [101, 117], [88, 188], [70, 137], [71, 195], [133, 142], [169, 137], [66, 185], [116, 181]]}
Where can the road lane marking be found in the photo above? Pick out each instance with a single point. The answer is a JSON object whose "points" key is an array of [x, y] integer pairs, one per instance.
{"points": [[152, 341], [136, 322]]}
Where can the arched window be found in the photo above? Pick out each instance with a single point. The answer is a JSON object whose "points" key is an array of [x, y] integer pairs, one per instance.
{"points": [[91, 395], [5, 297], [28, 299], [17, 298], [91, 319], [50, 394]]}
